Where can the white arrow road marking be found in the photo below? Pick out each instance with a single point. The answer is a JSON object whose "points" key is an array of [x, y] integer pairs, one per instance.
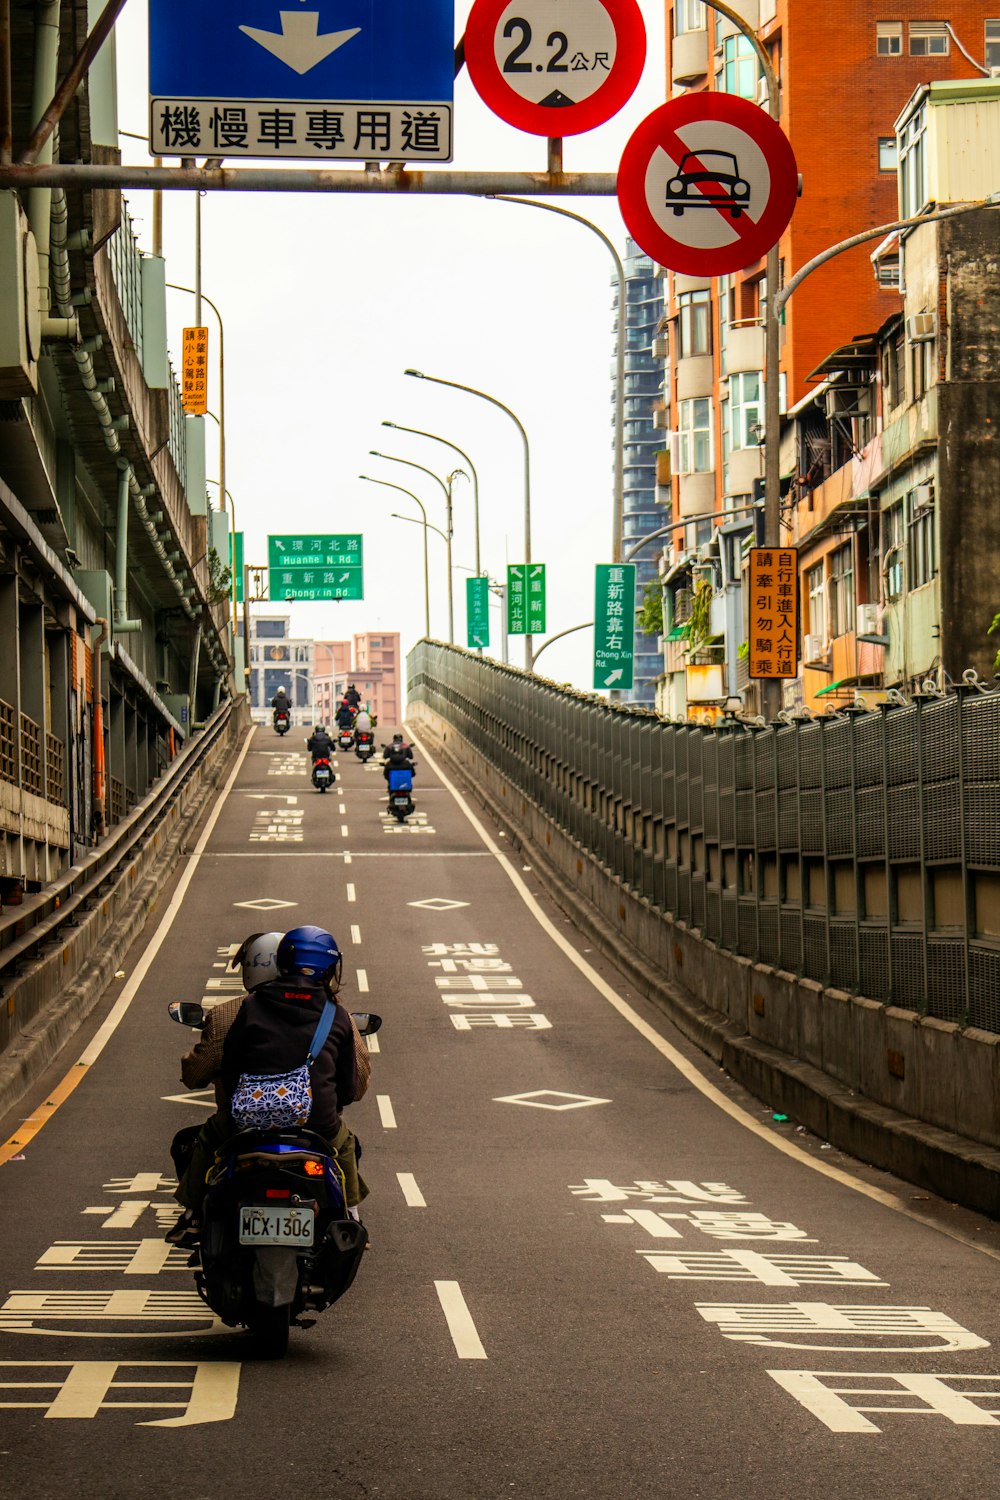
{"points": [[414, 1197], [298, 43], [459, 1319], [271, 797]]}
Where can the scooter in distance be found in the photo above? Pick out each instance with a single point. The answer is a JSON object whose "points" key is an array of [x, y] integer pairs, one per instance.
{"points": [[277, 1240], [322, 774], [401, 793], [364, 745], [345, 739], [282, 721]]}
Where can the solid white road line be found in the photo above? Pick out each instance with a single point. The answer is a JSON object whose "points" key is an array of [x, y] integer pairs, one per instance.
{"points": [[414, 1197], [687, 1069], [385, 1111], [459, 1319]]}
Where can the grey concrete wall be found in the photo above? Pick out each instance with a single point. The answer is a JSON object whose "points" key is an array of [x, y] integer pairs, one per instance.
{"points": [[914, 1095]]}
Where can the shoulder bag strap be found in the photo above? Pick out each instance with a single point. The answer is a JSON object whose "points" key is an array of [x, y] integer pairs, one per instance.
{"points": [[321, 1033]]}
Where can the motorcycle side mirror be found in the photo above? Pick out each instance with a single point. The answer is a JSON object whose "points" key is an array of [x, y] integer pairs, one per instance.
{"points": [[366, 1021], [187, 1013]]}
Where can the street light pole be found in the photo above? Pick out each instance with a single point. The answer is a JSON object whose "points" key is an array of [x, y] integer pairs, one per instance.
{"points": [[618, 504], [427, 588], [398, 427], [392, 459], [471, 390]]}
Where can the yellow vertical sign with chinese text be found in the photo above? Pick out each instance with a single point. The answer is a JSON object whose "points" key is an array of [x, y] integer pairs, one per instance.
{"points": [[773, 630], [194, 371]]}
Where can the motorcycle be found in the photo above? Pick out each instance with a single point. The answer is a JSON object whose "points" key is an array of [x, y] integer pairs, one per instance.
{"points": [[345, 739], [277, 1240], [401, 793], [322, 775], [364, 745], [282, 721]]}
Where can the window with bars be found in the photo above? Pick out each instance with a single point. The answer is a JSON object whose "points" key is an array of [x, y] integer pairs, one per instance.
{"points": [[892, 550]]}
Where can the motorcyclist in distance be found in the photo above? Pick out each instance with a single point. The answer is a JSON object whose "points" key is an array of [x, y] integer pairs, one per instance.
{"points": [[352, 696], [397, 757], [280, 704], [362, 721], [319, 744], [345, 716]]}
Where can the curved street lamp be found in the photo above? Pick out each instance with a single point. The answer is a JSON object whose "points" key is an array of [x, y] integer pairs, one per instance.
{"points": [[418, 432], [484, 395], [427, 588], [446, 487]]}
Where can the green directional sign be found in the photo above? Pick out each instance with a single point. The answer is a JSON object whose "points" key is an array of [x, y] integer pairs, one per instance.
{"points": [[238, 564], [614, 625], [477, 611], [315, 566], [526, 599]]}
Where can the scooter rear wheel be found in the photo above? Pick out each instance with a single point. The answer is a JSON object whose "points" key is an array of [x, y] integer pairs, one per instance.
{"points": [[269, 1328]]}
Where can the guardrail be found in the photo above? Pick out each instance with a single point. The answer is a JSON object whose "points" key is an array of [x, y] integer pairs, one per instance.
{"points": [[39, 920]]}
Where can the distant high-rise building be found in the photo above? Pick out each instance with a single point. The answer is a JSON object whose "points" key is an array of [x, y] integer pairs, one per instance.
{"points": [[643, 391]]}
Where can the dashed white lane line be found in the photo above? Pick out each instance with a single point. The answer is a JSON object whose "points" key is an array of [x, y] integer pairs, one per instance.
{"points": [[342, 808], [362, 982], [355, 934], [351, 893], [385, 1111], [412, 1194], [343, 830], [372, 1043], [460, 1325]]}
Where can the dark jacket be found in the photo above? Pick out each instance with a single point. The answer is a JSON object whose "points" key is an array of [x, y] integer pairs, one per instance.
{"points": [[320, 746], [397, 758], [280, 700], [272, 1033], [345, 716]]}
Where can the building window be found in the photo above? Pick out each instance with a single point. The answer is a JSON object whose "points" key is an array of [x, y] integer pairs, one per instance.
{"points": [[921, 366], [921, 555], [747, 412], [689, 15], [889, 38], [929, 39], [892, 550], [842, 590], [912, 177], [740, 67], [694, 328], [694, 438], [993, 44], [816, 589], [888, 156]]}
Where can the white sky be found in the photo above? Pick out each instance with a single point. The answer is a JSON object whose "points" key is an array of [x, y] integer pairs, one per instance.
{"points": [[326, 299]]}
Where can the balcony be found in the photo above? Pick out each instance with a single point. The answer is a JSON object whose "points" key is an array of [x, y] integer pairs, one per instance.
{"points": [[744, 348], [744, 466], [696, 495], [689, 57], [748, 9], [690, 283], [694, 377]]}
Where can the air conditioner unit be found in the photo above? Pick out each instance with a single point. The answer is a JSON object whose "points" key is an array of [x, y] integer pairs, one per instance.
{"points": [[848, 403], [921, 327], [812, 648], [661, 347], [763, 96], [869, 619], [661, 420], [923, 498]]}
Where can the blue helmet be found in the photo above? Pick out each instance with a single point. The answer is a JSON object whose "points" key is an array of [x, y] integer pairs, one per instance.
{"points": [[311, 952]]}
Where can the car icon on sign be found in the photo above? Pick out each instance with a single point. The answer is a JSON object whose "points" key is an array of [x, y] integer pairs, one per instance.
{"points": [[718, 168]]}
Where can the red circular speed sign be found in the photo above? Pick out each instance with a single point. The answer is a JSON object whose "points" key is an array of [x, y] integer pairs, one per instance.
{"points": [[707, 183], [555, 67]]}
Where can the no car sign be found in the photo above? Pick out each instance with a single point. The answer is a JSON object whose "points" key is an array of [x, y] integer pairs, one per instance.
{"points": [[555, 67], [707, 183]]}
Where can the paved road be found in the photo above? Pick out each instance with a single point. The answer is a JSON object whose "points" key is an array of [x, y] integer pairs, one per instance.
{"points": [[599, 1270]]}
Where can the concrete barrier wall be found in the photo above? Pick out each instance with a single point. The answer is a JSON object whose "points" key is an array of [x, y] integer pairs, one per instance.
{"points": [[915, 1095], [43, 1005]]}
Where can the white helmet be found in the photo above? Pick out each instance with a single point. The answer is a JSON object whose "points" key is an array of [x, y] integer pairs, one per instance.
{"points": [[256, 955]]}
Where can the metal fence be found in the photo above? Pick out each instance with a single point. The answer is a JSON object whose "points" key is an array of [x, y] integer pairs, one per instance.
{"points": [[861, 850]]}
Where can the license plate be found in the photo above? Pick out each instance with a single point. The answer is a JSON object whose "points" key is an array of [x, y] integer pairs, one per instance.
{"points": [[401, 799], [276, 1226]]}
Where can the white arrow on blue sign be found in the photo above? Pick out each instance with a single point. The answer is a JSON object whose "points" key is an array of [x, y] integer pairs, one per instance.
{"points": [[339, 80]]}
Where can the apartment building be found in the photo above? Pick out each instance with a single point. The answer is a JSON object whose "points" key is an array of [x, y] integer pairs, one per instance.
{"points": [[844, 74]]}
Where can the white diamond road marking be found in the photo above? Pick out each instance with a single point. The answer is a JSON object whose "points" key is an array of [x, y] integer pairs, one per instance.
{"points": [[535, 1100], [437, 903], [265, 903]]}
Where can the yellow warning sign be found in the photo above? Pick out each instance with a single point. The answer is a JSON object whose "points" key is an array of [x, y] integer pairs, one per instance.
{"points": [[194, 371]]}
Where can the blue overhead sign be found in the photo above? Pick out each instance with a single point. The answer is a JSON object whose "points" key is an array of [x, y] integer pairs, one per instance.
{"points": [[334, 80]]}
